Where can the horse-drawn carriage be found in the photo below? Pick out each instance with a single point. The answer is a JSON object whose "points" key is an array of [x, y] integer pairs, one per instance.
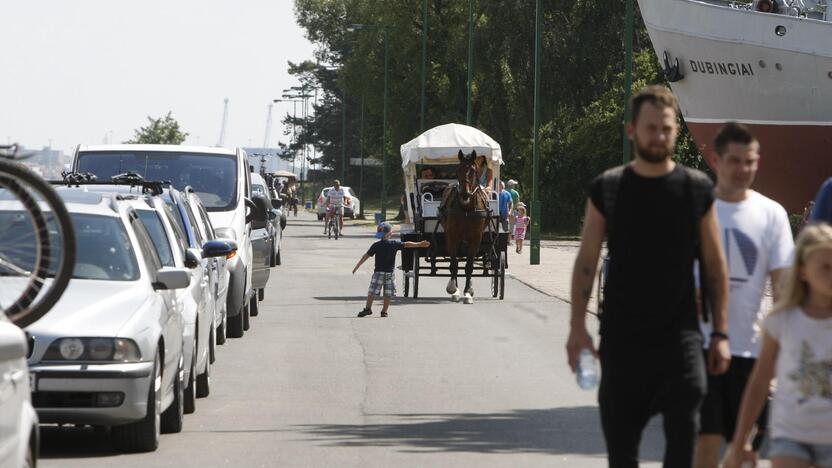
{"points": [[451, 210]]}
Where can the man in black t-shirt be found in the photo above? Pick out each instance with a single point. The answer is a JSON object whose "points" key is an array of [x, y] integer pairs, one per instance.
{"points": [[384, 251], [659, 218]]}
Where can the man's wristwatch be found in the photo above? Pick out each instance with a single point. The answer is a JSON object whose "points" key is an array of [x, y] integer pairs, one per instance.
{"points": [[719, 335]]}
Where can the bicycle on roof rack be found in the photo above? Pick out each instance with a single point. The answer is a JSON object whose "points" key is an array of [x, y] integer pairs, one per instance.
{"points": [[130, 179], [37, 241]]}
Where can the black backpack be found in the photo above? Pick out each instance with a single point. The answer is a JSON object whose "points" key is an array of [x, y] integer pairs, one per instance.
{"points": [[610, 186]]}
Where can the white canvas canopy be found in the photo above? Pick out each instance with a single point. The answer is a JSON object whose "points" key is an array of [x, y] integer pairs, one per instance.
{"points": [[284, 174], [440, 145]]}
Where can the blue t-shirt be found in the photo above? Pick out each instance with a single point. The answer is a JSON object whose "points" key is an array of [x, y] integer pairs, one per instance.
{"points": [[505, 200], [385, 253], [822, 211]]}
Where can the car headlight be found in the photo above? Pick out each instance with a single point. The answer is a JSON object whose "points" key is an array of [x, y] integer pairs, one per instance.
{"points": [[93, 349]]}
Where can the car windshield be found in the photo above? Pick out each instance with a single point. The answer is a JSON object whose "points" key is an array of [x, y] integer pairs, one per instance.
{"points": [[212, 176], [103, 249]]}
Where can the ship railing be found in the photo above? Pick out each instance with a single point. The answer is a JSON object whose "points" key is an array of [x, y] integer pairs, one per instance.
{"points": [[812, 9]]}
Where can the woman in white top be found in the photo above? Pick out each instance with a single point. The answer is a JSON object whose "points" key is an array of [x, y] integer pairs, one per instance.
{"points": [[797, 351]]}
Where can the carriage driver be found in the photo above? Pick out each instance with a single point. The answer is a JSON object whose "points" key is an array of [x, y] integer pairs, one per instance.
{"points": [[336, 197]]}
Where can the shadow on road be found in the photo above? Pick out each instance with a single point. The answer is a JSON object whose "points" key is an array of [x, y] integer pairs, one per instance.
{"points": [[396, 301], [574, 430], [75, 442]]}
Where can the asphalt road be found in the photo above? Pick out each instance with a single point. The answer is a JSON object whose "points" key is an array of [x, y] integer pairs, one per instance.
{"points": [[437, 383]]}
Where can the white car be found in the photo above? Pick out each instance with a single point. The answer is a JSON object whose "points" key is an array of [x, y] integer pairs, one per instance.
{"points": [[18, 422], [172, 227], [110, 352], [222, 180], [351, 209]]}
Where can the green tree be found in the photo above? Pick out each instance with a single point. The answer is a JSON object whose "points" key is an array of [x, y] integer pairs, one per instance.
{"points": [[164, 131], [582, 86]]}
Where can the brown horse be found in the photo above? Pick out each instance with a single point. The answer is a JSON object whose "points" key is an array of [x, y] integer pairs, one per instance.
{"points": [[464, 214]]}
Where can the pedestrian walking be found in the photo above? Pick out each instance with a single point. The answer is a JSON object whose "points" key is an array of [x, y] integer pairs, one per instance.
{"points": [[797, 351], [659, 217], [758, 246], [384, 251], [515, 202], [822, 208], [505, 206], [521, 223]]}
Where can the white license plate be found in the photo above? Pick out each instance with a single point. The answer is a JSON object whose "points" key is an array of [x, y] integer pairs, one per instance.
{"points": [[33, 382]]}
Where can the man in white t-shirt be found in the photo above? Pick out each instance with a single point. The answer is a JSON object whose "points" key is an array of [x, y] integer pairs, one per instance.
{"points": [[758, 245], [336, 198]]}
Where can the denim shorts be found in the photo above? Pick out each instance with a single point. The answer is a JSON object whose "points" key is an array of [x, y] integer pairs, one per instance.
{"points": [[820, 455]]}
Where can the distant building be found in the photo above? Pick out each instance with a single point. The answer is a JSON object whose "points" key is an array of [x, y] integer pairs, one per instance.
{"points": [[273, 158], [47, 162]]}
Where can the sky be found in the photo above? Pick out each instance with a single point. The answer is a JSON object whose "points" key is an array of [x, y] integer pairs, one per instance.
{"points": [[87, 71]]}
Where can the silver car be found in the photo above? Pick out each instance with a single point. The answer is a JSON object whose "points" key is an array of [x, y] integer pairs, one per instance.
{"points": [[110, 352], [19, 427]]}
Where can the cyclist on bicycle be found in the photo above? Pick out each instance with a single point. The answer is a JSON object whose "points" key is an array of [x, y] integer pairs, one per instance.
{"points": [[336, 197]]}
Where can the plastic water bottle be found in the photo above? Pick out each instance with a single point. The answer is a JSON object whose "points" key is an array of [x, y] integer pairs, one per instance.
{"points": [[587, 372]]}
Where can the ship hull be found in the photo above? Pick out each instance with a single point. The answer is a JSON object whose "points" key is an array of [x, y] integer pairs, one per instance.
{"points": [[737, 68]]}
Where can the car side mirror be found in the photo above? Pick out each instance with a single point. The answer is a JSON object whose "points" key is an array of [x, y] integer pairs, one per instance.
{"points": [[172, 278], [217, 248], [251, 207], [192, 258], [260, 211], [277, 203]]}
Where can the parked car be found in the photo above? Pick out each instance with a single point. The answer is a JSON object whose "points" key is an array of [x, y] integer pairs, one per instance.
{"points": [[19, 435], [193, 214], [265, 240], [110, 352], [351, 209], [222, 180]]}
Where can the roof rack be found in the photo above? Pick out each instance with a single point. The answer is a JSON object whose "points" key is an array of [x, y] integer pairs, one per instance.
{"points": [[130, 179]]}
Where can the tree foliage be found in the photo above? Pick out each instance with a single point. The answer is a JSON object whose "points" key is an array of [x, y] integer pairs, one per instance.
{"points": [[164, 131], [582, 95]]}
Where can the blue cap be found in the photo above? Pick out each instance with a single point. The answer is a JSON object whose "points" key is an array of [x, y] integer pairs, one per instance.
{"points": [[382, 230]]}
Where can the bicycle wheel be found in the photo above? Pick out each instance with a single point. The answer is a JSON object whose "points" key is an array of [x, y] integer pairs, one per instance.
{"points": [[37, 245]]}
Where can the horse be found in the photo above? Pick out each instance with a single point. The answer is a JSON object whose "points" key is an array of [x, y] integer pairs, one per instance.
{"points": [[463, 215]]}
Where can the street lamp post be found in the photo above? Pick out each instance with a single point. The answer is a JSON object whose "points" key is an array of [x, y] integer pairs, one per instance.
{"points": [[424, 62], [294, 117], [384, 31], [534, 251], [470, 60], [344, 134], [628, 72]]}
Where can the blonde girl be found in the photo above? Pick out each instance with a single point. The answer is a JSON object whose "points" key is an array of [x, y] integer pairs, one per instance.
{"points": [[520, 225], [797, 351]]}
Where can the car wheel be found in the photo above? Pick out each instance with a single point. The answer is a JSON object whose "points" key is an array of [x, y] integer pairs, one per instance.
{"points": [[31, 459], [203, 382], [235, 324], [221, 332], [247, 316], [261, 294], [212, 346], [190, 389], [173, 417], [143, 435], [253, 306], [277, 260]]}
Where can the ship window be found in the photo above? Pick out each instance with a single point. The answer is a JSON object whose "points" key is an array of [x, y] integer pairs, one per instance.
{"points": [[780, 30]]}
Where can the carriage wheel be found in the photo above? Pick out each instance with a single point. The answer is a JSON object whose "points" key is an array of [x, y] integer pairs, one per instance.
{"points": [[415, 274], [495, 279], [406, 282], [502, 275]]}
